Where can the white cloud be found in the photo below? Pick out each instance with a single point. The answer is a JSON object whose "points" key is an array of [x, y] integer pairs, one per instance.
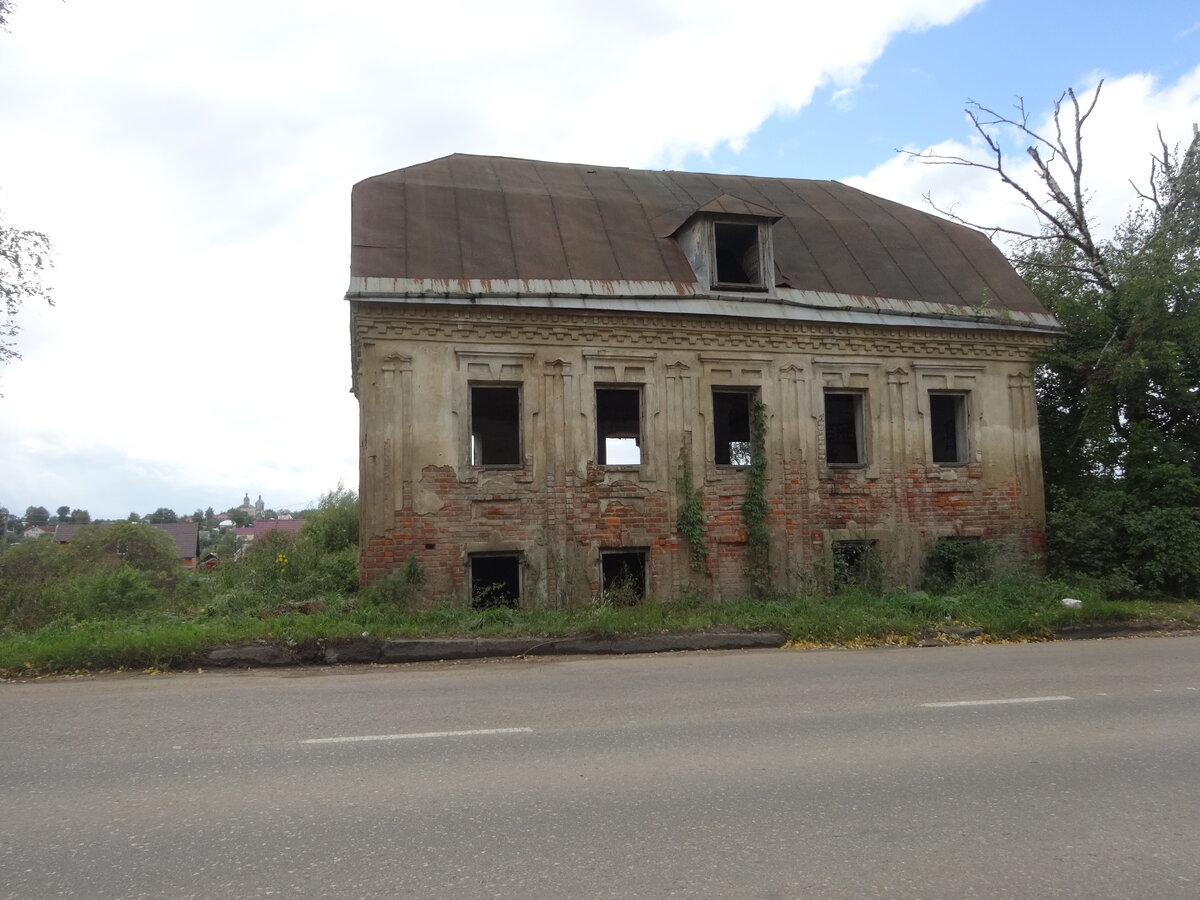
{"points": [[193, 168], [1119, 139]]}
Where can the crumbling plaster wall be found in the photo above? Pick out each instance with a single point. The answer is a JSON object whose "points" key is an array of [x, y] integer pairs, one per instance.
{"points": [[420, 494]]}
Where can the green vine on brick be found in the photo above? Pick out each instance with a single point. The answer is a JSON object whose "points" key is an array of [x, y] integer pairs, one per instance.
{"points": [[754, 507], [689, 519]]}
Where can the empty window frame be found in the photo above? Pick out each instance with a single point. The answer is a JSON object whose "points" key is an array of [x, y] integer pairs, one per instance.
{"points": [[957, 561], [731, 427], [737, 255], [623, 575], [495, 579], [618, 426], [948, 427], [845, 440], [495, 425], [856, 563]]}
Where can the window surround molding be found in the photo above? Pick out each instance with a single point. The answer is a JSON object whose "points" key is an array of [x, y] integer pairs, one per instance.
{"points": [[733, 374], [857, 377], [616, 370], [957, 380], [492, 368]]}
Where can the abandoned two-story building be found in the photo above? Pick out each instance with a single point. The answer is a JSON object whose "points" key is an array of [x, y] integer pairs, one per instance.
{"points": [[552, 361]]}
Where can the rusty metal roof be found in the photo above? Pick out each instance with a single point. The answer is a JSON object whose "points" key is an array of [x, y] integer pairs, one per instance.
{"points": [[486, 217]]}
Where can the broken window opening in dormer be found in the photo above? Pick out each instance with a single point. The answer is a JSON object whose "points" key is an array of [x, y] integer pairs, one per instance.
{"points": [[618, 426], [737, 255]]}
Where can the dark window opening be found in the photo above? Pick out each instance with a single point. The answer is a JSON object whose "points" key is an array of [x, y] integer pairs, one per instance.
{"points": [[495, 580], [948, 427], [856, 563], [957, 561], [844, 443], [618, 426], [495, 426], [731, 428], [738, 260], [623, 575]]}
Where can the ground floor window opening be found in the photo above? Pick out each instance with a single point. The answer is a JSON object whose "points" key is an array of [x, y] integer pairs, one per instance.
{"points": [[956, 562], [495, 580], [623, 576], [857, 564]]}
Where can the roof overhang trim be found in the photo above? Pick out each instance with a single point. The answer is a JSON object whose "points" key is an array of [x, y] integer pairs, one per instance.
{"points": [[684, 298]]}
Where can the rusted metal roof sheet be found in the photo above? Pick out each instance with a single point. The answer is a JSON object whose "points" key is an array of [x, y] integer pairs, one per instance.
{"points": [[496, 218]]}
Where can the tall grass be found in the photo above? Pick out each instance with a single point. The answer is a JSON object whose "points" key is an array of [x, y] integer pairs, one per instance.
{"points": [[1002, 609], [117, 598]]}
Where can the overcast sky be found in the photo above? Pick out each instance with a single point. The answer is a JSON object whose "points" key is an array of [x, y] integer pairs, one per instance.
{"points": [[192, 165]]}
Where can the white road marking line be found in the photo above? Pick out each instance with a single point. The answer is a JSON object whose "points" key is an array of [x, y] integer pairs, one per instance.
{"points": [[994, 702], [416, 735]]}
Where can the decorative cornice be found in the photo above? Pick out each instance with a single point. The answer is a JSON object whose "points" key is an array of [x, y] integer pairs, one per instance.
{"points": [[464, 326]]}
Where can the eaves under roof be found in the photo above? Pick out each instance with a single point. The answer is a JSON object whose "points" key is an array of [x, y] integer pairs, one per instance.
{"points": [[487, 218]]}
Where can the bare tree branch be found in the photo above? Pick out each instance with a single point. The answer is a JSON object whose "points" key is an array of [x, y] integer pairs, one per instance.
{"points": [[1064, 212]]}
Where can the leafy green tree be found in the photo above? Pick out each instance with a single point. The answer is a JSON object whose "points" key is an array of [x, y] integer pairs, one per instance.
{"points": [[10, 528], [133, 517], [81, 517], [1119, 393], [63, 514], [37, 515], [149, 550], [333, 526], [162, 516]]}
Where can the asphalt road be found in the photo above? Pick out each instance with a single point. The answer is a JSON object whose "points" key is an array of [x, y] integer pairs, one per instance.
{"points": [[769, 774]]}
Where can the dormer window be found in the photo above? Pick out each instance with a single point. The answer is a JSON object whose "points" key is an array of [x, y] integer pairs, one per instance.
{"points": [[728, 243], [737, 253]]}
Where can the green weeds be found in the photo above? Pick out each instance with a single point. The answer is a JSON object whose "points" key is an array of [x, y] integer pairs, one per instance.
{"points": [[1002, 609], [117, 599]]}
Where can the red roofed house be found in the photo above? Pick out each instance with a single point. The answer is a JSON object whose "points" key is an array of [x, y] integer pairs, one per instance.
{"points": [[262, 526], [184, 535]]}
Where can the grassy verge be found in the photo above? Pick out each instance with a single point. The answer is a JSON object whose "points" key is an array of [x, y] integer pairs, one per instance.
{"points": [[1000, 610]]}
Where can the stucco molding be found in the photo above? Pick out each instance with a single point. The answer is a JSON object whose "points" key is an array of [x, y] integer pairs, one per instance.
{"points": [[632, 336]]}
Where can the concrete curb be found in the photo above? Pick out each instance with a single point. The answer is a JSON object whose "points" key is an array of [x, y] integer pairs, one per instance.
{"points": [[375, 650], [1131, 629]]}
